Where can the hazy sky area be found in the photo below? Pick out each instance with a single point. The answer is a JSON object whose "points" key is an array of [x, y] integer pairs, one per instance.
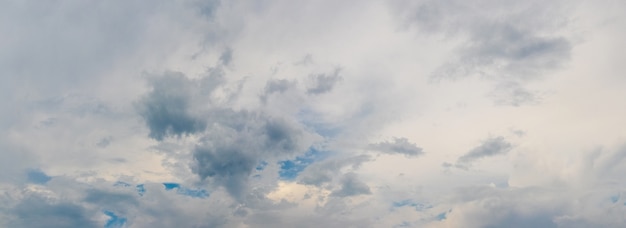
{"points": [[283, 113]]}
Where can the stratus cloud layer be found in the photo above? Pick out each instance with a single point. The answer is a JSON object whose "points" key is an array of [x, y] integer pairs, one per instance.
{"points": [[312, 114]]}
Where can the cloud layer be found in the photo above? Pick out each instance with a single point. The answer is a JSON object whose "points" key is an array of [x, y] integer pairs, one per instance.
{"points": [[203, 113]]}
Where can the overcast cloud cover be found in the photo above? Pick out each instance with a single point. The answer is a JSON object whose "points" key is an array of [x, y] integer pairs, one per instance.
{"points": [[277, 113]]}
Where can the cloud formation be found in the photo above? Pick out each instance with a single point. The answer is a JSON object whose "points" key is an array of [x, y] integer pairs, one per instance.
{"points": [[322, 83], [490, 147], [276, 113], [399, 146], [351, 186], [167, 110], [511, 45]]}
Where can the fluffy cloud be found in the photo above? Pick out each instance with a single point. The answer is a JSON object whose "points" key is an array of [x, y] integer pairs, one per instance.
{"points": [[166, 109], [202, 113]]}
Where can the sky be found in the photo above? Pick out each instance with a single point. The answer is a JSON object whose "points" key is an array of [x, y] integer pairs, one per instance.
{"points": [[283, 113]]}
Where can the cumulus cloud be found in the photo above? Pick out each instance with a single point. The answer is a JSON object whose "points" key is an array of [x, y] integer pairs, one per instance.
{"points": [[232, 143], [167, 110]]}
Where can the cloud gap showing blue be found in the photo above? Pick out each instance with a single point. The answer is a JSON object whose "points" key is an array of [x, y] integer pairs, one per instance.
{"points": [[615, 198], [290, 169], [261, 166], [37, 176], [311, 120], [140, 189], [114, 220], [121, 184], [442, 216], [410, 203], [193, 193]]}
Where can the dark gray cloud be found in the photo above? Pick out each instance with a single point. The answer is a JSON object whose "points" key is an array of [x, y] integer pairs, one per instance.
{"points": [[229, 165], [171, 109], [38, 211], [490, 147], [397, 146], [231, 151], [351, 186], [280, 136], [232, 142], [323, 83]]}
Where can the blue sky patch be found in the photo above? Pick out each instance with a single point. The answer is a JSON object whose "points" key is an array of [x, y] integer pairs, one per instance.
{"points": [[193, 193], [170, 186], [442, 216], [311, 119], [114, 220], [403, 224], [261, 166], [37, 176], [140, 189], [614, 199], [121, 184], [410, 203], [289, 169]]}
